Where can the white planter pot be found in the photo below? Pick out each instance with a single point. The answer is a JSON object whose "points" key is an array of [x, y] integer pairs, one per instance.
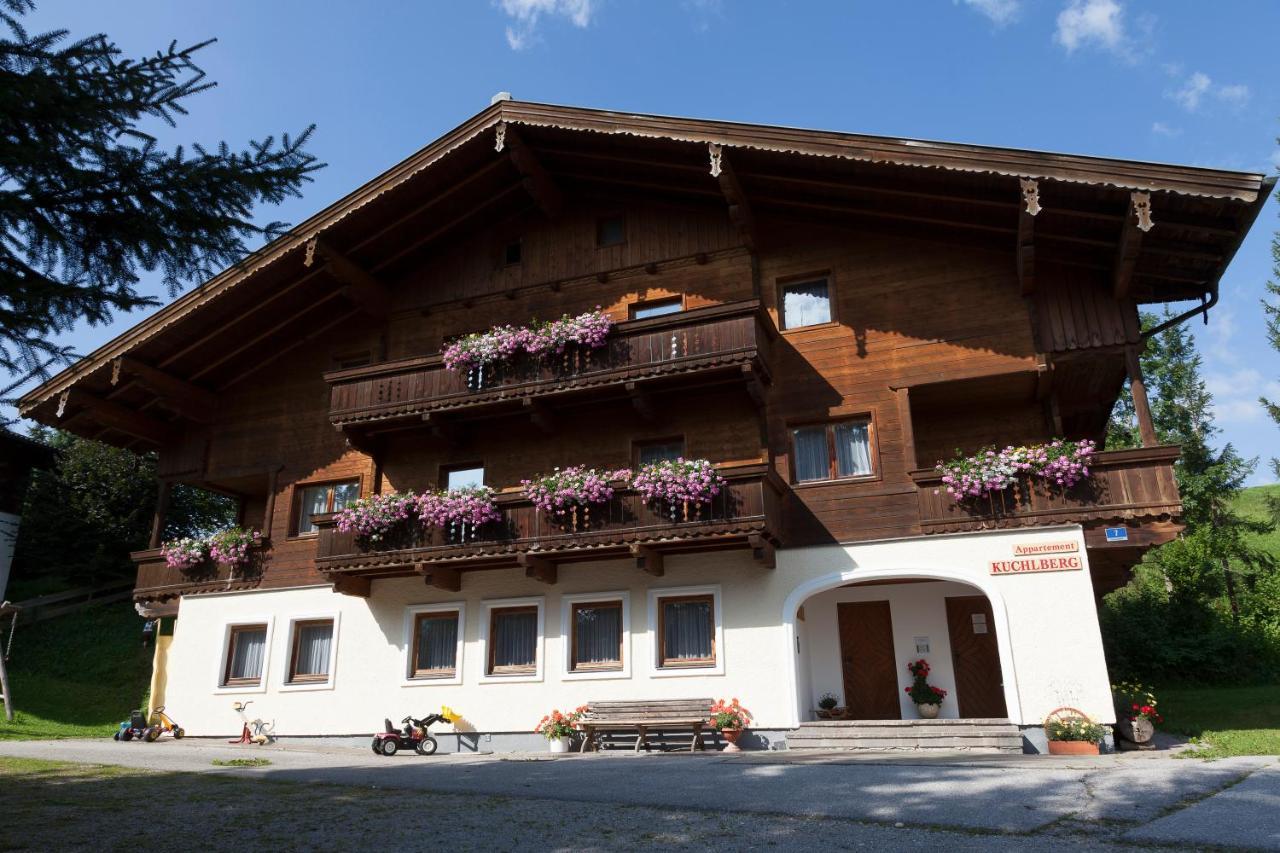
{"points": [[928, 712], [559, 744]]}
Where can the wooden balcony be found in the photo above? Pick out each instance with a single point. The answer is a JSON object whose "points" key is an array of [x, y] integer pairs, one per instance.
{"points": [[157, 581], [1125, 487], [722, 343], [744, 515]]}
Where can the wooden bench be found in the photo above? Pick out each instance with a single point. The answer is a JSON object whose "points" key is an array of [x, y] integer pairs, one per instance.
{"points": [[643, 716]]}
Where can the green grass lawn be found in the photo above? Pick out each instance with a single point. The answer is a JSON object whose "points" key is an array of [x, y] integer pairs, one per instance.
{"points": [[77, 675], [1252, 503], [1225, 720]]}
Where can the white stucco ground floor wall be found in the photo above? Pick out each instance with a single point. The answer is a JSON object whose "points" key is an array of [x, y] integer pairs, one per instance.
{"points": [[1046, 624]]}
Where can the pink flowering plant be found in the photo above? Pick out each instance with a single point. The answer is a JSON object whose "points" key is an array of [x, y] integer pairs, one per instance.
{"points": [[565, 490], [374, 518], [503, 343], [185, 553], [1060, 463], [678, 483], [231, 546], [469, 507]]}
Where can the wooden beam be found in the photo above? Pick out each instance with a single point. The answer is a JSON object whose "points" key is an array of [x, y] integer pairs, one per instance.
{"points": [[279, 353], [641, 401], [1027, 210], [126, 420], [538, 568], [418, 242], [1138, 390], [446, 578], [1130, 246], [539, 415], [188, 400], [537, 180], [648, 560], [907, 428], [740, 213], [763, 551], [269, 334], [269, 508], [443, 428], [161, 511], [362, 288], [349, 585], [754, 385]]}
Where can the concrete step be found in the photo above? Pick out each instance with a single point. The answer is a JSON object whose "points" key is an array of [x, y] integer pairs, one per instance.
{"points": [[973, 735]]}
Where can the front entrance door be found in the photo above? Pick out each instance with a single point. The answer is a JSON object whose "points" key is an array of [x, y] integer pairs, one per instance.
{"points": [[976, 657], [866, 651]]}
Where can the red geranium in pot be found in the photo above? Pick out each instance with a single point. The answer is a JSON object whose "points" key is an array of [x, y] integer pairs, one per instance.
{"points": [[731, 719]]}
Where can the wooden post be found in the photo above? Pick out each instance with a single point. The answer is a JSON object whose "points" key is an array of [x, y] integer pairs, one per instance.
{"points": [[162, 509], [1138, 389], [908, 429], [269, 510]]}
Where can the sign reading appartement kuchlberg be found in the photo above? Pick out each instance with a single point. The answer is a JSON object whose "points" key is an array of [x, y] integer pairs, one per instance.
{"points": [[1062, 556]]}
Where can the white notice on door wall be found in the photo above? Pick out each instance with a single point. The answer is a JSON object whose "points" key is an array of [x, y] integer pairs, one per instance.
{"points": [[922, 645]]}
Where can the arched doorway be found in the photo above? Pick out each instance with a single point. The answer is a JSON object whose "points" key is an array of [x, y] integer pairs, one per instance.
{"points": [[854, 633]]}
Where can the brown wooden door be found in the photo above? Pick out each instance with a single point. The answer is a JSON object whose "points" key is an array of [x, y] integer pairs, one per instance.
{"points": [[870, 669], [975, 654]]}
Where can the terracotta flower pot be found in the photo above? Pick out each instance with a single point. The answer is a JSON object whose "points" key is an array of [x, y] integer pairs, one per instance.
{"points": [[1072, 747], [838, 713], [731, 739], [1136, 731], [823, 713], [928, 711]]}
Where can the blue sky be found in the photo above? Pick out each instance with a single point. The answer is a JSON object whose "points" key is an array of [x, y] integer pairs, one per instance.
{"points": [[1183, 82]]}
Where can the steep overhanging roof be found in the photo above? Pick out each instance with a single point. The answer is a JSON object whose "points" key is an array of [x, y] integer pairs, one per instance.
{"points": [[1225, 204]]}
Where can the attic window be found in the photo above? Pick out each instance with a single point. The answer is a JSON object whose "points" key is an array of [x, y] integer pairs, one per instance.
{"points": [[511, 254], [610, 231]]}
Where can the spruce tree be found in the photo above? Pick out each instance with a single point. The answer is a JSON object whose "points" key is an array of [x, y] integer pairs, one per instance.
{"points": [[89, 200]]}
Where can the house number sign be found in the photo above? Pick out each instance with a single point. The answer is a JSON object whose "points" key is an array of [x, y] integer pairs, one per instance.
{"points": [[1038, 557]]}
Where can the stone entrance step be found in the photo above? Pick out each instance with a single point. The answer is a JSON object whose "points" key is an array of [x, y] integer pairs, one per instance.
{"points": [[972, 735]]}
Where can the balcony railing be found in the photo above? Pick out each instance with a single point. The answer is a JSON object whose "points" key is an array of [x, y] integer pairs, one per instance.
{"points": [[1124, 485], [728, 340], [744, 514], [157, 580]]}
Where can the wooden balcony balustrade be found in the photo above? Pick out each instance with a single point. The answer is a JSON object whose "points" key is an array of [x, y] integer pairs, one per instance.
{"points": [[1124, 486], [746, 514], [158, 581], [718, 343]]}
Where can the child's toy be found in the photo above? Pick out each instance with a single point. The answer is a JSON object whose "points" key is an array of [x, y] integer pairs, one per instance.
{"points": [[132, 728], [161, 723], [414, 736]]}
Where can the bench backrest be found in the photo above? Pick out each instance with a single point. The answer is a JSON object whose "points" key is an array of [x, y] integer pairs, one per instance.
{"points": [[648, 709]]}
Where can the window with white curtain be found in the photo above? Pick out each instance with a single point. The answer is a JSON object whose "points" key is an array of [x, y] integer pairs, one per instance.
{"points": [[321, 498], [312, 645], [246, 652], [597, 636], [687, 631], [513, 640], [806, 303], [833, 451], [435, 644]]}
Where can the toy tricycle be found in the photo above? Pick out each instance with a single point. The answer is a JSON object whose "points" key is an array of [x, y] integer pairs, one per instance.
{"points": [[413, 736]]}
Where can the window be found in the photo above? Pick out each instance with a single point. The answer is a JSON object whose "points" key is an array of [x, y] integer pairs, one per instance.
{"points": [[658, 450], [833, 451], [321, 498], [352, 358], [246, 653], [435, 644], [611, 231], [686, 631], [513, 640], [657, 307], [463, 476], [596, 643], [806, 303], [311, 651], [511, 254]]}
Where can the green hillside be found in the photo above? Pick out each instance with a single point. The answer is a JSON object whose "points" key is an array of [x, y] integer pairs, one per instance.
{"points": [[1252, 503], [77, 675]]}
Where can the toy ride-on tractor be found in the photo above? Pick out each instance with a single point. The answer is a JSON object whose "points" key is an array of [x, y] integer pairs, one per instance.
{"points": [[161, 723], [413, 736]]}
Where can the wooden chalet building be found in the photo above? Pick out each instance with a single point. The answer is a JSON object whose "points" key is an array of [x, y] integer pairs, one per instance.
{"points": [[824, 316]]}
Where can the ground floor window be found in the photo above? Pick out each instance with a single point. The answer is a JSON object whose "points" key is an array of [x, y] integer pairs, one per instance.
{"points": [[311, 651], [597, 636], [246, 653], [686, 630], [513, 640], [435, 644]]}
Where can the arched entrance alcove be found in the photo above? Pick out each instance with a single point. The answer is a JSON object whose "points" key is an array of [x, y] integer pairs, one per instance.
{"points": [[852, 633]]}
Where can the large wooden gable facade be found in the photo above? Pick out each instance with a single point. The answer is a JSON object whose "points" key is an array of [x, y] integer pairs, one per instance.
{"points": [[977, 295]]}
